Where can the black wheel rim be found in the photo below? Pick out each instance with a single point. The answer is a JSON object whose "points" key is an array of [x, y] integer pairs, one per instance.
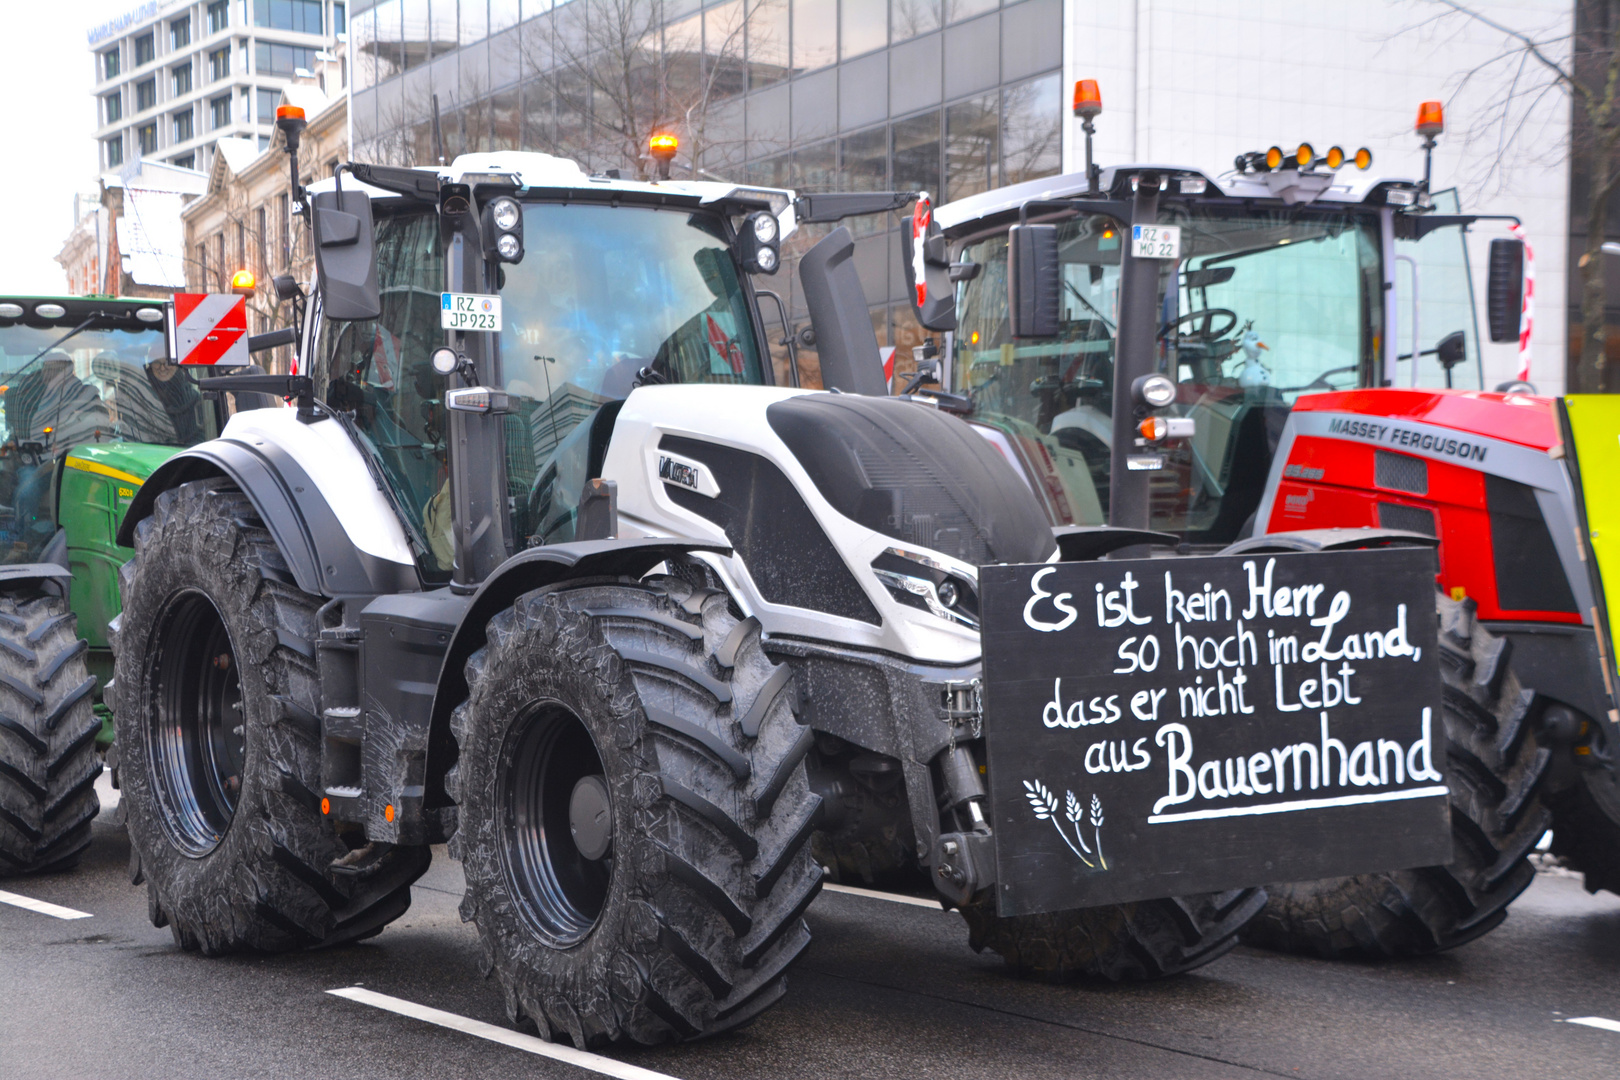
{"points": [[559, 891], [197, 737]]}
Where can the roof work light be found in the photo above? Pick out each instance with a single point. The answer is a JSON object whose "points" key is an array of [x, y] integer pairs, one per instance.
{"points": [[1431, 119], [1087, 99], [662, 147]]}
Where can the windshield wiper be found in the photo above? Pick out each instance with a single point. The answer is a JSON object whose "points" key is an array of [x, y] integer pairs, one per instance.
{"points": [[1070, 286]]}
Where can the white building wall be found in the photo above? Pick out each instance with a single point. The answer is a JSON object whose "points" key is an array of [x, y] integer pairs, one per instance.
{"points": [[1195, 82]]}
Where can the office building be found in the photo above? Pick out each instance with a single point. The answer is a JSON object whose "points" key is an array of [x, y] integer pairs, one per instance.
{"points": [[173, 77]]}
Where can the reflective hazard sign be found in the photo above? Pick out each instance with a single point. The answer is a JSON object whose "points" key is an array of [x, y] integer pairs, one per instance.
{"points": [[209, 328]]}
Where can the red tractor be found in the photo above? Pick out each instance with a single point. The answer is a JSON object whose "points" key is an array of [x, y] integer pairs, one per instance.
{"points": [[1303, 389]]}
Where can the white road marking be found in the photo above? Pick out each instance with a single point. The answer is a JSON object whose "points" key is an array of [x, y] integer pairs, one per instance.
{"points": [[894, 898], [107, 793], [41, 906], [1595, 1021], [515, 1039]]}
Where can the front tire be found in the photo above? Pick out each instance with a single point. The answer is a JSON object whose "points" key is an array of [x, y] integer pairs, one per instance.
{"points": [[48, 762], [634, 814], [216, 662], [1497, 772], [1148, 939]]}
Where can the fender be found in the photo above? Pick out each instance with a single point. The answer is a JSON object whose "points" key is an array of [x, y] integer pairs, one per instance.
{"points": [[1328, 540], [323, 557], [535, 568]]}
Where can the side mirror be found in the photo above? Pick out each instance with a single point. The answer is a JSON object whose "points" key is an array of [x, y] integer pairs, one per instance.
{"points": [[345, 255], [938, 309], [1452, 349], [1033, 279], [842, 324], [1504, 289]]}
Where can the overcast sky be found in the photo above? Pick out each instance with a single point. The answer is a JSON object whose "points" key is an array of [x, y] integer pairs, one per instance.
{"points": [[47, 146]]}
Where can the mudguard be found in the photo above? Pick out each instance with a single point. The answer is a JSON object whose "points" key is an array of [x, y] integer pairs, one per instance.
{"points": [[339, 537]]}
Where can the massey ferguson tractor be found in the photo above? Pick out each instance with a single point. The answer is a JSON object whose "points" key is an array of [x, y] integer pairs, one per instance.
{"points": [[540, 563], [1318, 331]]}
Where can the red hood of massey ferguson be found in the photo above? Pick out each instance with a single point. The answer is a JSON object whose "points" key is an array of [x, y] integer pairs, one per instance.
{"points": [[1515, 418]]}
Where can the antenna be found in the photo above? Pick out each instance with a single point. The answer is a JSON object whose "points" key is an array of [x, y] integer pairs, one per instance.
{"points": [[438, 134]]}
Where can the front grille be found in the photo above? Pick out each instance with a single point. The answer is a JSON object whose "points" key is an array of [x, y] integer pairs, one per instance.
{"points": [[1401, 472], [1410, 518]]}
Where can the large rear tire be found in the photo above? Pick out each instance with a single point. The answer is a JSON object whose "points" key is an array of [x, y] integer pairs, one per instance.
{"points": [[1148, 939], [1497, 769], [48, 762], [668, 903], [219, 775]]}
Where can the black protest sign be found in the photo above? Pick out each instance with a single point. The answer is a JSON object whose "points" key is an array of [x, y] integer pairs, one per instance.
{"points": [[1157, 727]]}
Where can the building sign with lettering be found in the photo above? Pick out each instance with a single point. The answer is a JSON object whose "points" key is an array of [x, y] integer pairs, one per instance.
{"points": [[1158, 727]]}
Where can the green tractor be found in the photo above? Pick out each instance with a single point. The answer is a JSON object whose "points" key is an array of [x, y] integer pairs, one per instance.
{"points": [[91, 403]]}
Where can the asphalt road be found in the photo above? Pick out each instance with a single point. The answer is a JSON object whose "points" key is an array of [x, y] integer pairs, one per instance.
{"points": [[887, 989]]}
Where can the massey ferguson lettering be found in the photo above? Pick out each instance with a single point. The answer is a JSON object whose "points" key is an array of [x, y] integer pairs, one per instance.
{"points": [[1409, 438]]}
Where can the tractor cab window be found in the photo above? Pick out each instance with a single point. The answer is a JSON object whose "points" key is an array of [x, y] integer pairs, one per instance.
{"points": [[1434, 301], [1261, 307], [378, 374], [103, 384], [605, 299]]}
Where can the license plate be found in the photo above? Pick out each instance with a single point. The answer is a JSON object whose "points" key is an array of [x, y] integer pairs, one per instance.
{"points": [[1156, 241], [1180, 725], [469, 311]]}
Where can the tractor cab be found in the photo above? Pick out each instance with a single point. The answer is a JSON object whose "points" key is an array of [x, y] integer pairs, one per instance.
{"points": [[595, 285], [1289, 275]]}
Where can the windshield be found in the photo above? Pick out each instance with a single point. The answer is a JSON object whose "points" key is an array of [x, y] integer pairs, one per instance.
{"points": [[102, 384], [602, 293], [97, 386], [1262, 306]]}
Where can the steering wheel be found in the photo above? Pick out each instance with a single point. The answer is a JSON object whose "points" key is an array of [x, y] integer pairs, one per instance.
{"points": [[1209, 315], [1320, 382]]}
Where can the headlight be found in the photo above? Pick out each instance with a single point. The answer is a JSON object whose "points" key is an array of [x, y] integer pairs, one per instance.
{"points": [[508, 246], [765, 228], [766, 257], [919, 581], [1154, 391], [506, 213]]}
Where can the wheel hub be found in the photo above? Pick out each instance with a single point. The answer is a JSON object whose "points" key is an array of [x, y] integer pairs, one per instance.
{"points": [[590, 817]]}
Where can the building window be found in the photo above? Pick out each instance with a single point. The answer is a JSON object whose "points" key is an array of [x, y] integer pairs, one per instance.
{"points": [[180, 33], [145, 94], [186, 161], [115, 151], [304, 16], [182, 79], [273, 59], [145, 49], [147, 136], [268, 100], [110, 67], [1031, 129], [264, 143], [202, 265], [182, 126], [219, 64], [113, 104], [340, 19], [219, 16], [220, 110]]}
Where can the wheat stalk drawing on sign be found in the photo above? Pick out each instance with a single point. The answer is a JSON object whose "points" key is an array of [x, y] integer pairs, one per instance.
{"points": [[1045, 806], [1096, 824]]}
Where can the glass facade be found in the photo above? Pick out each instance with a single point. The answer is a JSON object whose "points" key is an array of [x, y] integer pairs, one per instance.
{"points": [[948, 96]]}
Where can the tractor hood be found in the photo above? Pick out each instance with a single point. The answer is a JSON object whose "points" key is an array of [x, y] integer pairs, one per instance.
{"points": [[855, 520], [1524, 419]]}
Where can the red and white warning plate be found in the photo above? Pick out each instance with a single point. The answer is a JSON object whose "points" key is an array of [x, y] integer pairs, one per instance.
{"points": [[210, 328]]}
